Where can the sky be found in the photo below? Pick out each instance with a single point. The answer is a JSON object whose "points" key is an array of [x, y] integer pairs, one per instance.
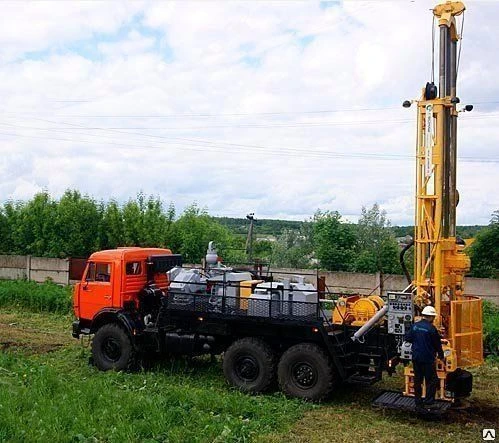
{"points": [[279, 108]]}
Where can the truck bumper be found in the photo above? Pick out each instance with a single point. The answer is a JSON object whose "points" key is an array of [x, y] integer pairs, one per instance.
{"points": [[80, 328], [76, 329]]}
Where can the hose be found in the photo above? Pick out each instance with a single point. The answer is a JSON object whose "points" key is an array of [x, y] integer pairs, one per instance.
{"points": [[402, 262]]}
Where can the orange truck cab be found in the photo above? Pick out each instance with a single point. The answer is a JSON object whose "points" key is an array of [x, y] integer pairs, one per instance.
{"points": [[114, 281]]}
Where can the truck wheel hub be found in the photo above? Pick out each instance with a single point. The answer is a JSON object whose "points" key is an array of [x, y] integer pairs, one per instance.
{"points": [[247, 368], [304, 375], [111, 349]]}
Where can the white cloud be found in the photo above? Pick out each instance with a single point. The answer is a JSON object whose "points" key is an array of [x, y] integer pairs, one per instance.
{"points": [[96, 61], [134, 43]]}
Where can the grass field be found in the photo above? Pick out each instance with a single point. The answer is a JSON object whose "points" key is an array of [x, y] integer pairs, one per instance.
{"points": [[49, 393]]}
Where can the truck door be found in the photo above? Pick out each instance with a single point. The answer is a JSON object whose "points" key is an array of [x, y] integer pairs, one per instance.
{"points": [[96, 289]]}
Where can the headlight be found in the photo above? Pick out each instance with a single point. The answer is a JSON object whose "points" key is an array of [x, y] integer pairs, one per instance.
{"points": [[447, 353]]}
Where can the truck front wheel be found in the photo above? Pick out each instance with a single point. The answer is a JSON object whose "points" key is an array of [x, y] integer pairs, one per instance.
{"points": [[249, 365], [306, 372], [112, 348]]}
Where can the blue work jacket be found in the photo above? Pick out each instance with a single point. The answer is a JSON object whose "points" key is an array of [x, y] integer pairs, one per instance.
{"points": [[425, 341]]}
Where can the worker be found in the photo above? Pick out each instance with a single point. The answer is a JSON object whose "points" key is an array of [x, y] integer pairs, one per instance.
{"points": [[426, 344]]}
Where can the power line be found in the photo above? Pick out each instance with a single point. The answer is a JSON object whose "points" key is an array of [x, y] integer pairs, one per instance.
{"points": [[269, 151], [196, 142], [262, 150], [276, 125], [233, 114]]}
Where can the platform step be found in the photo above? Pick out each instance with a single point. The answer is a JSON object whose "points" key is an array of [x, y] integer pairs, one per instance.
{"points": [[348, 356], [365, 365], [368, 354], [364, 380], [397, 400]]}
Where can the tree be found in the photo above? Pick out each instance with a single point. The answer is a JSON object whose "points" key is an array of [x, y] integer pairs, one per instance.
{"points": [[334, 241], [77, 225], [193, 231], [4, 232], [377, 247], [262, 249], [35, 230], [132, 214], [111, 229], [141, 222], [484, 251], [11, 242], [293, 248]]}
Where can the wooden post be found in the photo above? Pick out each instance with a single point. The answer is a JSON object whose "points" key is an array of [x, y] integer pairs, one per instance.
{"points": [[28, 267]]}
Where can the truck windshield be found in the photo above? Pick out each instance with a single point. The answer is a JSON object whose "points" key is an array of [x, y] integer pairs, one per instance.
{"points": [[98, 272]]}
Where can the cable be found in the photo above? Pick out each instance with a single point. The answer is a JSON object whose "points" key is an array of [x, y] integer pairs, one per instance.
{"points": [[183, 139], [269, 125], [235, 114], [433, 50], [266, 149], [460, 44], [213, 115], [195, 141], [264, 126], [296, 153]]}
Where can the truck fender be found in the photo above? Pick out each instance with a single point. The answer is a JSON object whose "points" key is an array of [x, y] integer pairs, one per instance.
{"points": [[119, 316]]}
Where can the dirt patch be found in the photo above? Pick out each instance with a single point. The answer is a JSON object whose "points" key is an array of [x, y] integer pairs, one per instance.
{"points": [[30, 348], [475, 411], [20, 338]]}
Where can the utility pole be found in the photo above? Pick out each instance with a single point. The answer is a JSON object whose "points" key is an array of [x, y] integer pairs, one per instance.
{"points": [[249, 239]]}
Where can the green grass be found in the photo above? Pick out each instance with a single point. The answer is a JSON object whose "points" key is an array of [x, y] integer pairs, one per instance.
{"points": [[349, 417], [491, 327], [44, 297], [56, 396], [61, 398], [52, 394]]}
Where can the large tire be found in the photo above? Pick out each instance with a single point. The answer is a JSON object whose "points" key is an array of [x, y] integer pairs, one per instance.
{"points": [[249, 365], [306, 372], [112, 348]]}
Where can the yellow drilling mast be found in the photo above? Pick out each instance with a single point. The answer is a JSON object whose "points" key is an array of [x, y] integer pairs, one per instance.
{"points": [[440, 262]]}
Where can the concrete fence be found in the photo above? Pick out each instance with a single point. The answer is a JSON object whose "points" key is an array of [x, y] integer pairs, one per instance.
{"points": [[357, 283], [40, 269]]}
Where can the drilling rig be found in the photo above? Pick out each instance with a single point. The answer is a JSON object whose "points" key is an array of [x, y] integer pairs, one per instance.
{"points": [[139, 301], [440, 262]]}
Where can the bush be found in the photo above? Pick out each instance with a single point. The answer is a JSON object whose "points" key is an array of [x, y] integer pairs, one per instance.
{"points": [[45, 297], [491, 328]]}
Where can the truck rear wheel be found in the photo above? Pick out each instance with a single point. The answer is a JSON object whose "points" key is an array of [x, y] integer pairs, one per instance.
{"points": [[306, 372], [249, 365], [112, 348]]}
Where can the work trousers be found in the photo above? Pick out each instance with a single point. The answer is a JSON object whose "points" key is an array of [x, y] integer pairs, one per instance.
{"points": [[428, 373]]}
